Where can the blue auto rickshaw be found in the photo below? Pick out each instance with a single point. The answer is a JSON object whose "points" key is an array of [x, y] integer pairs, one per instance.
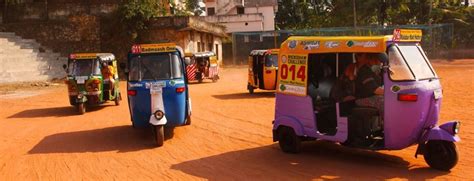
{"points": [[157, 88]]}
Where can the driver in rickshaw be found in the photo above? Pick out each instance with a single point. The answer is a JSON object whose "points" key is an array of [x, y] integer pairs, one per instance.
{"points": [[368, 88]]}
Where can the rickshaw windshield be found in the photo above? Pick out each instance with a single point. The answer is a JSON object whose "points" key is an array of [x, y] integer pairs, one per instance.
{"points": [[271, 60], [161, 66], [84, 67], [407, 62]]}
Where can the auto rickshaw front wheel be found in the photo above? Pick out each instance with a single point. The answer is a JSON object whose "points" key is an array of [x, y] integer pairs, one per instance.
{"points": [[81, 107], [159, 134], [288, 140], [441, 155]]}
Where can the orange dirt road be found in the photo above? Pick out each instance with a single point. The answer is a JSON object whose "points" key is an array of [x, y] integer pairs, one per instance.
{"points": [[42, 137]]}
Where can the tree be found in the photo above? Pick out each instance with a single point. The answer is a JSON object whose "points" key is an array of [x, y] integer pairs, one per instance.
{"points": [[135, 13]]}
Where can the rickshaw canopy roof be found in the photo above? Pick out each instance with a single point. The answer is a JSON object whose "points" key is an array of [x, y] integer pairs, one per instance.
{"points": [[258, 52], [107, 57], [204, 54]]}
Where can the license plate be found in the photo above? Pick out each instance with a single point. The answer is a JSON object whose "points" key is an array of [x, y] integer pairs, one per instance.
{"points": [[438, 93], [81, 80]]}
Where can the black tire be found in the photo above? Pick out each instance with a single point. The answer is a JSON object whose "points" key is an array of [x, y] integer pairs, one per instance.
{"points": [[441, 155], [250, 88], [81, 108], [188, 120], [159, 134], [288, 140], [117, 99], [169, 132]]}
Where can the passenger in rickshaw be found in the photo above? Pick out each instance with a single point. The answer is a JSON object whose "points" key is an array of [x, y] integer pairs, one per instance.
{"points": [[368, 88], [203, 65], [108, 75]]}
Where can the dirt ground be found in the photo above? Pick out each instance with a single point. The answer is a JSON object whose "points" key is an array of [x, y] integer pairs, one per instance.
{"points": [[42, 137]]}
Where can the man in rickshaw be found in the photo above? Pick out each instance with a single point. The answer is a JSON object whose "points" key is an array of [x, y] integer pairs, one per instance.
{"points": [[368, 89], [108, 73]]}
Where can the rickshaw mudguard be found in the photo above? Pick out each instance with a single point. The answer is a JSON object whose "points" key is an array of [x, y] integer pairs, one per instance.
{"points": [[289, 122], [435, 133]]}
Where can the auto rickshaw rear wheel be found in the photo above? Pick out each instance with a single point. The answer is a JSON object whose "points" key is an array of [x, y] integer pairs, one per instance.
{"points": [[117, 99], [81, 107], [288, 140], [441, 155], [159, 134], [250, 88]]}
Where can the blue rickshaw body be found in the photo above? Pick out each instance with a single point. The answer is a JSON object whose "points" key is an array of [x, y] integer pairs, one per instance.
{"points": [[175, 104]]}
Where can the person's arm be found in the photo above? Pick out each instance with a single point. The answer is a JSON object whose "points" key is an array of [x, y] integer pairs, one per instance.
{"points": [[378, 91]]}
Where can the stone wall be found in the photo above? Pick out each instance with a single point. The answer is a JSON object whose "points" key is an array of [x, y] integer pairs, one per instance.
{"points": [[77, 33]]}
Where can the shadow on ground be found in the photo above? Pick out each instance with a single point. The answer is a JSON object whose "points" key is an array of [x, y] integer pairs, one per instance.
{"points": [[318, 160], [245, 95], [120, 139], [55, 112]]}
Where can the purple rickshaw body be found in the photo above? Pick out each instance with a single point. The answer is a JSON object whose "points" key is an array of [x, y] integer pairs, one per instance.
{"points": [[405, 122]]}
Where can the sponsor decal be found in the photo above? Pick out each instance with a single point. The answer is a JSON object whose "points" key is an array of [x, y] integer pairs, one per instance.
{"points": [[332, 44], [309, 45], [292, 44], [293, 74], [365, 44], [135, 85], [172, 83], [350, 43]]}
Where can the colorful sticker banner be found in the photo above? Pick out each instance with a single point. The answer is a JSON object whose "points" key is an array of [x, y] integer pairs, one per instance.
{"points": [[293, 74], [79, 56], [405, 35], [158, 48]]}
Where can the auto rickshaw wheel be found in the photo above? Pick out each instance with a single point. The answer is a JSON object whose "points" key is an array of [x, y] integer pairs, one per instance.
{"points": [[250, 88], [215, 78], [159, 134], [441, 155], [117, 99], [188, 120], [288, 140], [81, 107]]}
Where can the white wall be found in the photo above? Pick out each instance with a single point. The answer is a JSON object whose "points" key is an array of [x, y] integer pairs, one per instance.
{"points": [[268, 16]]}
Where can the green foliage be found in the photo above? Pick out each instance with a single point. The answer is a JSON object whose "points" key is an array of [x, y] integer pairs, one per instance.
{"points": [[308, 14], [135, 14]]}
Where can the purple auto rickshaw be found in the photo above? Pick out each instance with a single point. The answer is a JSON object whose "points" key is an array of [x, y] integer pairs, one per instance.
{"points": [[311, 105]]}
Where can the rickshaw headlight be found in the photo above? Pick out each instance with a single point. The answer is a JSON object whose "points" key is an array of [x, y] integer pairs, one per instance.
{"points": [[159, 114], [80, 96], [456, 127]]}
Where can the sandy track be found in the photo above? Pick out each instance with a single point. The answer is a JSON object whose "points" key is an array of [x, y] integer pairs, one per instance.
{"points": [[42, 137]]}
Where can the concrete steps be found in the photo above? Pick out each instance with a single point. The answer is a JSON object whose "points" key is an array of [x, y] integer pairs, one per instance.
{"points": [[26, 60]]}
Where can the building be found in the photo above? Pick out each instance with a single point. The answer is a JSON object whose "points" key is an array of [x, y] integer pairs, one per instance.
{"points": [[188, 32], [242, 15]]}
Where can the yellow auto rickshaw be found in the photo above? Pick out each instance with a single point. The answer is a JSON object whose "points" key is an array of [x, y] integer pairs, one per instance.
{"points": [[263, 67]]}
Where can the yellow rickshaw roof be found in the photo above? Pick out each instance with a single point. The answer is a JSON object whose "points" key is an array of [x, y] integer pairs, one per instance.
{"points": [[87, 56], [319, 44], [274, 51]]}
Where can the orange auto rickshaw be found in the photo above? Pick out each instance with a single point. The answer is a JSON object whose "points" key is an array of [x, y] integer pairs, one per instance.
{"points": [[263, 68]]}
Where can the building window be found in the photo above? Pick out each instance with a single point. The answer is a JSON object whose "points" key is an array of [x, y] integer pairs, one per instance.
{"points": [[211, 11], [240, 10]]}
